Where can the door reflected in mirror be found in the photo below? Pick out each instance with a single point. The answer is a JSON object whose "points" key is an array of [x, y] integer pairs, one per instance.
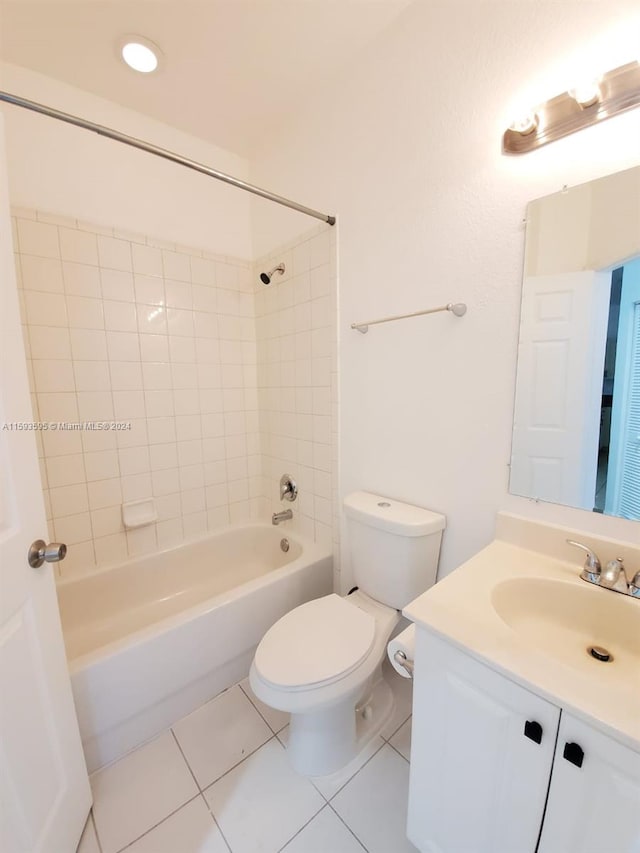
{"points": [[576, 432]]}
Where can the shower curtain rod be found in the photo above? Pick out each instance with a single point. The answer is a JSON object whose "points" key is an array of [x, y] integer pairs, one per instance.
{"points": [[162, 152]]}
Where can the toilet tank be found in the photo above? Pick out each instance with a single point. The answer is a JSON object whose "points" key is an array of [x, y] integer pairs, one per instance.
{"points": [[394, 547]]}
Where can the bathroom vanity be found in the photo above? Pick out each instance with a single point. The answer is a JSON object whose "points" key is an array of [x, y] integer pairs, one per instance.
{"points": [[522, 740]]}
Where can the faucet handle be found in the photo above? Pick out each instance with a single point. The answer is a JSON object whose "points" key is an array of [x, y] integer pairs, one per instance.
{"points": [[613, 576], [634, 586], [592, 565]]}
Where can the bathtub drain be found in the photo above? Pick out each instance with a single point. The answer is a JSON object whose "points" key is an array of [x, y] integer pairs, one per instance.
{"points": [[284, 544]]}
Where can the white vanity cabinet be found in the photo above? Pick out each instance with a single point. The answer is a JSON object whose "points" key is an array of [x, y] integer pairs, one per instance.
{"points": [[484, 750], [595, 807]]}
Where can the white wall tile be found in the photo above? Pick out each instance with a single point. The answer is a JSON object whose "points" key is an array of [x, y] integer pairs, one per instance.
{"points": [[45, 309], [123, 346], [149, 290], [101, 465], [179, 294], [95, 406], [126, 328], [48, 342], [65, 470], [146, 260], [104, 493], [88, 344], [126, 375], [176, 265], [85, 313], [50, 376], [152, 319], [120, 316], [36, 238], [114, 254], [92, 375], [69, 500], [78, 246], [81, 279], [117, 285], [42, 274]]}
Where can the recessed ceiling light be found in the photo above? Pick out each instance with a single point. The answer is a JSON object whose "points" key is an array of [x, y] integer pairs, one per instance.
{"points": [[140, 54]]}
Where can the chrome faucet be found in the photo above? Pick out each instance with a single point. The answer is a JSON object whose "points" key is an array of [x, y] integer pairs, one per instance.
{"points": [[284, 515], [613, 576]]}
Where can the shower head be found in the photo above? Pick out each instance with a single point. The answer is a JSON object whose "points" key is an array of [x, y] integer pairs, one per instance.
{"points": [[265, 277]]}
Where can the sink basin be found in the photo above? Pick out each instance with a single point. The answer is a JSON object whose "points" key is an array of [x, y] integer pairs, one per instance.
{"points": [[565, 620]]}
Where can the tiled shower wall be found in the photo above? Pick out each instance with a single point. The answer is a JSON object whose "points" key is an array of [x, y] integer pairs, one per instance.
{"points": [[119, 327], [296, 333]]}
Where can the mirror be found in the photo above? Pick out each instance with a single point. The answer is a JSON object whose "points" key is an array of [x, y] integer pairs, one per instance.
{"points": [[576, 426]]}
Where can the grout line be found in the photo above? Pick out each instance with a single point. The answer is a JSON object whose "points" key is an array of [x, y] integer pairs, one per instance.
{"points": [[395, 731], [398, 751], [260, 712], [351, 778], [304, 826], [166, 817], [242, 760], [185, 759], [210, 810], [341, 819], [95, 829]]}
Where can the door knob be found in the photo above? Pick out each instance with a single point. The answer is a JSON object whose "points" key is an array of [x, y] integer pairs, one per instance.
{"points": [[40, 553]]}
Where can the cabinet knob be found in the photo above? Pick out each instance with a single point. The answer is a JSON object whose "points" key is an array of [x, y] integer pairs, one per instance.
{"points": [[533, 730], [573, 753]]}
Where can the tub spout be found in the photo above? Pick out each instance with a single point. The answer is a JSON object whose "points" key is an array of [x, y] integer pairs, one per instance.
{"points": [[285, 515]]}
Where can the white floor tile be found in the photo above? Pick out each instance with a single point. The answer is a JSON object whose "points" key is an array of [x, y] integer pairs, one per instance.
{"points": [[262, 803], [330, 785], [403, 695], [325, 834], [189, 830], [140, 790], [374, 803], [277, 720], [402, 740], [88, 841], [220, 734]]}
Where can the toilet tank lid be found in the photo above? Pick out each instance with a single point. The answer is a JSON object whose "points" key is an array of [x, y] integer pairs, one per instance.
{"points": [[391, 515]]}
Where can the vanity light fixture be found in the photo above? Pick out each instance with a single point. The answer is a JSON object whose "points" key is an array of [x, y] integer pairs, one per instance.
{"points": [[588, 103], [140, 53]]}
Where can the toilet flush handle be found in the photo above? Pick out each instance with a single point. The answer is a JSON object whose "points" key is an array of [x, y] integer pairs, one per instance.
{"points": [[400, 658]]}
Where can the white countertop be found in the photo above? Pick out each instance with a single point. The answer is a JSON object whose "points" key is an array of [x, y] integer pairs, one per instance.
{"points": [[459, 608]]}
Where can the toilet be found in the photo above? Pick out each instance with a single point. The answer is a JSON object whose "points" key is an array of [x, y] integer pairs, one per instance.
{"points": [[322, 662]]}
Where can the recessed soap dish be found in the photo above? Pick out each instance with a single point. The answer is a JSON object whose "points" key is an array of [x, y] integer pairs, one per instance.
{"points": [[139, 513]]}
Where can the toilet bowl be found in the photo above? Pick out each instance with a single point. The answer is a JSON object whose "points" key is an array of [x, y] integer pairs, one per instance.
{"points": [[322, 662]]}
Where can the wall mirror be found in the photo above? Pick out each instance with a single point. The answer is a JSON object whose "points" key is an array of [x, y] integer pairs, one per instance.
{"points": [[576, 427]]}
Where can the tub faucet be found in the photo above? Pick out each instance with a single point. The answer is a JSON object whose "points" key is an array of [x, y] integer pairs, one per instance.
{"points": [[284, 515]]}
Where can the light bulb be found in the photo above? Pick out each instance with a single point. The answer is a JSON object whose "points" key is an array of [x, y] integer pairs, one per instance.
{"points": [[140, 54], [525, 125], [586, 93]]}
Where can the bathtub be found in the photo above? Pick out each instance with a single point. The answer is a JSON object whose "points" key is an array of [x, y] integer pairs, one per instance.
{"points": [[150, 640]]}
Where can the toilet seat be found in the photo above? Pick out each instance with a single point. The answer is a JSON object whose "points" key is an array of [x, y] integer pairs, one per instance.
{"points": [[315, 644]]}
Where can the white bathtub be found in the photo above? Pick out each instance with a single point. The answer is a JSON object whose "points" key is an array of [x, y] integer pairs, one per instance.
{"points": [[150, 640]]}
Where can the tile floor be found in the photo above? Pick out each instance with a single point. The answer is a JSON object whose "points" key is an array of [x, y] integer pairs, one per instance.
{"points": [[219, 781]]}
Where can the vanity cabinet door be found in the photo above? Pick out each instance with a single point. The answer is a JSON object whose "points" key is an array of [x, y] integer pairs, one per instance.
{"points": [[594, 798], [481, 756]]}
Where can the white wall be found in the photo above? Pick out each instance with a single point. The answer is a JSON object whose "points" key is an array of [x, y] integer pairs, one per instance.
{"points": [[406, 151], [67, 170]]}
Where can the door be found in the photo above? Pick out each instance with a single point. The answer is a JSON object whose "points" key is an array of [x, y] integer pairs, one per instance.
{"points": [[623, 471], [481, 755], [44, 789], [594, 798], [559, 389]]}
